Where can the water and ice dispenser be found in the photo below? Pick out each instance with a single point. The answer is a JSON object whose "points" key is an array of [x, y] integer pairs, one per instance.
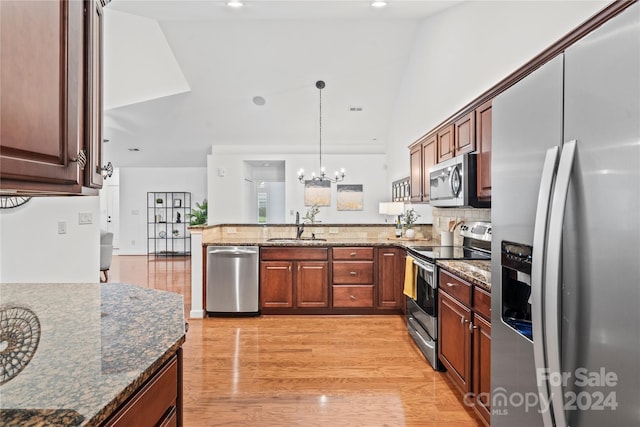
{"points": [[515, 260]]}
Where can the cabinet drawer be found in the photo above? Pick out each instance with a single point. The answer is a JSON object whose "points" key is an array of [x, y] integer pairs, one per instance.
{"points": [[482, 302], [150, 404], [365, 253], [353, 296], [288, 254], [347, 272], [455, 287]]}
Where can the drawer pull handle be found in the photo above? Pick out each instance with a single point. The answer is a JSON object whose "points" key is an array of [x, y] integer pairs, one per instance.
{"points": [[451, 285], [353, 297], [352, 254], [353, 273]]}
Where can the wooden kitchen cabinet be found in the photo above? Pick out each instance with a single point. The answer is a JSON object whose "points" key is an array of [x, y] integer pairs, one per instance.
{"points": [[423, 155], [50, 92], [481, 366], [292, 278], [352, 272], [464, 334], [455, 340], [390, 270], [446, 143], [483, 147], [157, 403], [276, 284], [465, 134], [311, 284]]}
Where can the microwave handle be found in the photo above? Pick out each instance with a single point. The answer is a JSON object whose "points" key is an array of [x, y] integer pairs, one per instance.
{"points": [[455, 182]]}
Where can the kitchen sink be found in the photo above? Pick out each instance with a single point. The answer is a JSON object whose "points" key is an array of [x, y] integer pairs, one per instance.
{"points": [[293, 240]]}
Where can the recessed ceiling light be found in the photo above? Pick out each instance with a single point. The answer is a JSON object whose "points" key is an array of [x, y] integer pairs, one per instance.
{"points": [[134, 149], [235, 3], [378, 3]]}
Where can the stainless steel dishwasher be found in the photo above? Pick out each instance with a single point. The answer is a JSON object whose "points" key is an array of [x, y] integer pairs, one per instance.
{"points": [[232, 280]]}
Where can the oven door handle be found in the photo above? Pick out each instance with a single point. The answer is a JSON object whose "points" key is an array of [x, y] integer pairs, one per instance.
{"points": [[425, 266]]}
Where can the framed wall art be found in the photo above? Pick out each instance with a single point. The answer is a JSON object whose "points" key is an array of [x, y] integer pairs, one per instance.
{"points": [[350, 197], [317, 193]]}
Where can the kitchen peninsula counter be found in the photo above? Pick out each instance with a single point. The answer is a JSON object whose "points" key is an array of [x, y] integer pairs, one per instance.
{"points": [[79, 351]]}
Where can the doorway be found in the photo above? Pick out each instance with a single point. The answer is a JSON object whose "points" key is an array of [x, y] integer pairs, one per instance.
{"points": [[265, 191]]}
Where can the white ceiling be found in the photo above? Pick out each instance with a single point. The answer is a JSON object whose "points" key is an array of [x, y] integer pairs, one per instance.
{"points": [[175, 87]]}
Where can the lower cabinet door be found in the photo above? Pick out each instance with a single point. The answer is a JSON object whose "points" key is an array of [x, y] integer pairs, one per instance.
{"points": [[454, 339], [312, 284], [276, 284], [482, 366]]}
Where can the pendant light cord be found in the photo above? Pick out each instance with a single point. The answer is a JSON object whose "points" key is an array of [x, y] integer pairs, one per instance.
{"points": [[320, 89]]}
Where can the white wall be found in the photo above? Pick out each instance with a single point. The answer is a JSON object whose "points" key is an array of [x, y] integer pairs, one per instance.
{"points": [[134, 185], [31, 250], [465, 50], [227, 201]]}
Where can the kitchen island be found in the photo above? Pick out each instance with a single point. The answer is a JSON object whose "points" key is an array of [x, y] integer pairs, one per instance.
{"points": [[89, 354]]}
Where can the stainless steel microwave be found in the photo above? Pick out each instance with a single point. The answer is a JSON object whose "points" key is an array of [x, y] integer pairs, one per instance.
{"points": [[453, 183]]}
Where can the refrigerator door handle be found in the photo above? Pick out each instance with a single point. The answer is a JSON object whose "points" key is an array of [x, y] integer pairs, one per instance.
{"points": [[553, 278], [537, 271]]}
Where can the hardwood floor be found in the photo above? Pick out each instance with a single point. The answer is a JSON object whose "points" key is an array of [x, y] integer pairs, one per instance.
{"points": [[300, 370]]}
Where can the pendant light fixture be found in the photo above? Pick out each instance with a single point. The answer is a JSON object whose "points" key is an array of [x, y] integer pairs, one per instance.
{"points": [[338, 176]]}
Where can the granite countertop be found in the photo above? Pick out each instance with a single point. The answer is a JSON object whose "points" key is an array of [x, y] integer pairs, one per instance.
{"points": [[476, 272], [80, 350], [331, 241]]}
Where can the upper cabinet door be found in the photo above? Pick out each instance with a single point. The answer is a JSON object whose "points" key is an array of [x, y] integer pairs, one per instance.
{"points": [[41, 93], [429, 158], [446, 145], [483, 146], [93, 128], [415, 159], [51, 96], [465, 135]]}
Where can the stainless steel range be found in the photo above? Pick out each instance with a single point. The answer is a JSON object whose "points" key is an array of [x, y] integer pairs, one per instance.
{"points": [[422, 312]]}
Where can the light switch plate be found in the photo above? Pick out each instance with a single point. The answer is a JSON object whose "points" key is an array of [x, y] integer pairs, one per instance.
{"points": [[85, 218], [62, 227]]}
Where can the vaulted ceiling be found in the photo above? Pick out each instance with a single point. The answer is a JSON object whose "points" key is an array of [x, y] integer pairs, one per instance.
{"points": [[181, 76]]}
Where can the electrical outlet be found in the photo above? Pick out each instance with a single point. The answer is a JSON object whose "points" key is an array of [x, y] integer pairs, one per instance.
{"points": [[85, 218], [62, 227], [231, 230]]}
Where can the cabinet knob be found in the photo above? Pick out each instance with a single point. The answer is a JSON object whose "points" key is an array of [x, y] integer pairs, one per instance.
{"points": [[472, 327], [352, 254], [353, 273], [353, 297], [451, 285]]}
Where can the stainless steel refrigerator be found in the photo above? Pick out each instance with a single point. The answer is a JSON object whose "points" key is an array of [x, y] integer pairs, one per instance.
{"points": [[566, 237]]}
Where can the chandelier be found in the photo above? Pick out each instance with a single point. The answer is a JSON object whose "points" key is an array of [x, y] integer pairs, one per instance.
{"points": [[338, 176]]}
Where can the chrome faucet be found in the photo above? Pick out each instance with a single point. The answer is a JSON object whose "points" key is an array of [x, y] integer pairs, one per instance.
{"points": [[299, 227]]}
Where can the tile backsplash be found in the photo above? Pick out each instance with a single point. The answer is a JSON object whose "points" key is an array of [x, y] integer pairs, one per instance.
{"points": [[442, 216]]}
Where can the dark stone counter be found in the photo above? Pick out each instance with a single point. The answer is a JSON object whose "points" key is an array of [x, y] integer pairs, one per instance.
{"points": [[76, 352], [476, 272]]}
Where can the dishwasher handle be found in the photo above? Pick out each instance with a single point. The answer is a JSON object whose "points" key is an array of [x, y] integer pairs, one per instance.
{"points": [[233, 251]]}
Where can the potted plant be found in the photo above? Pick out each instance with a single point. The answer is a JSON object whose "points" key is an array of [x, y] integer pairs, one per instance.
{"points": [[310, 216], [176, 232], [199, 216], [410, 217], [159, 200]]}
